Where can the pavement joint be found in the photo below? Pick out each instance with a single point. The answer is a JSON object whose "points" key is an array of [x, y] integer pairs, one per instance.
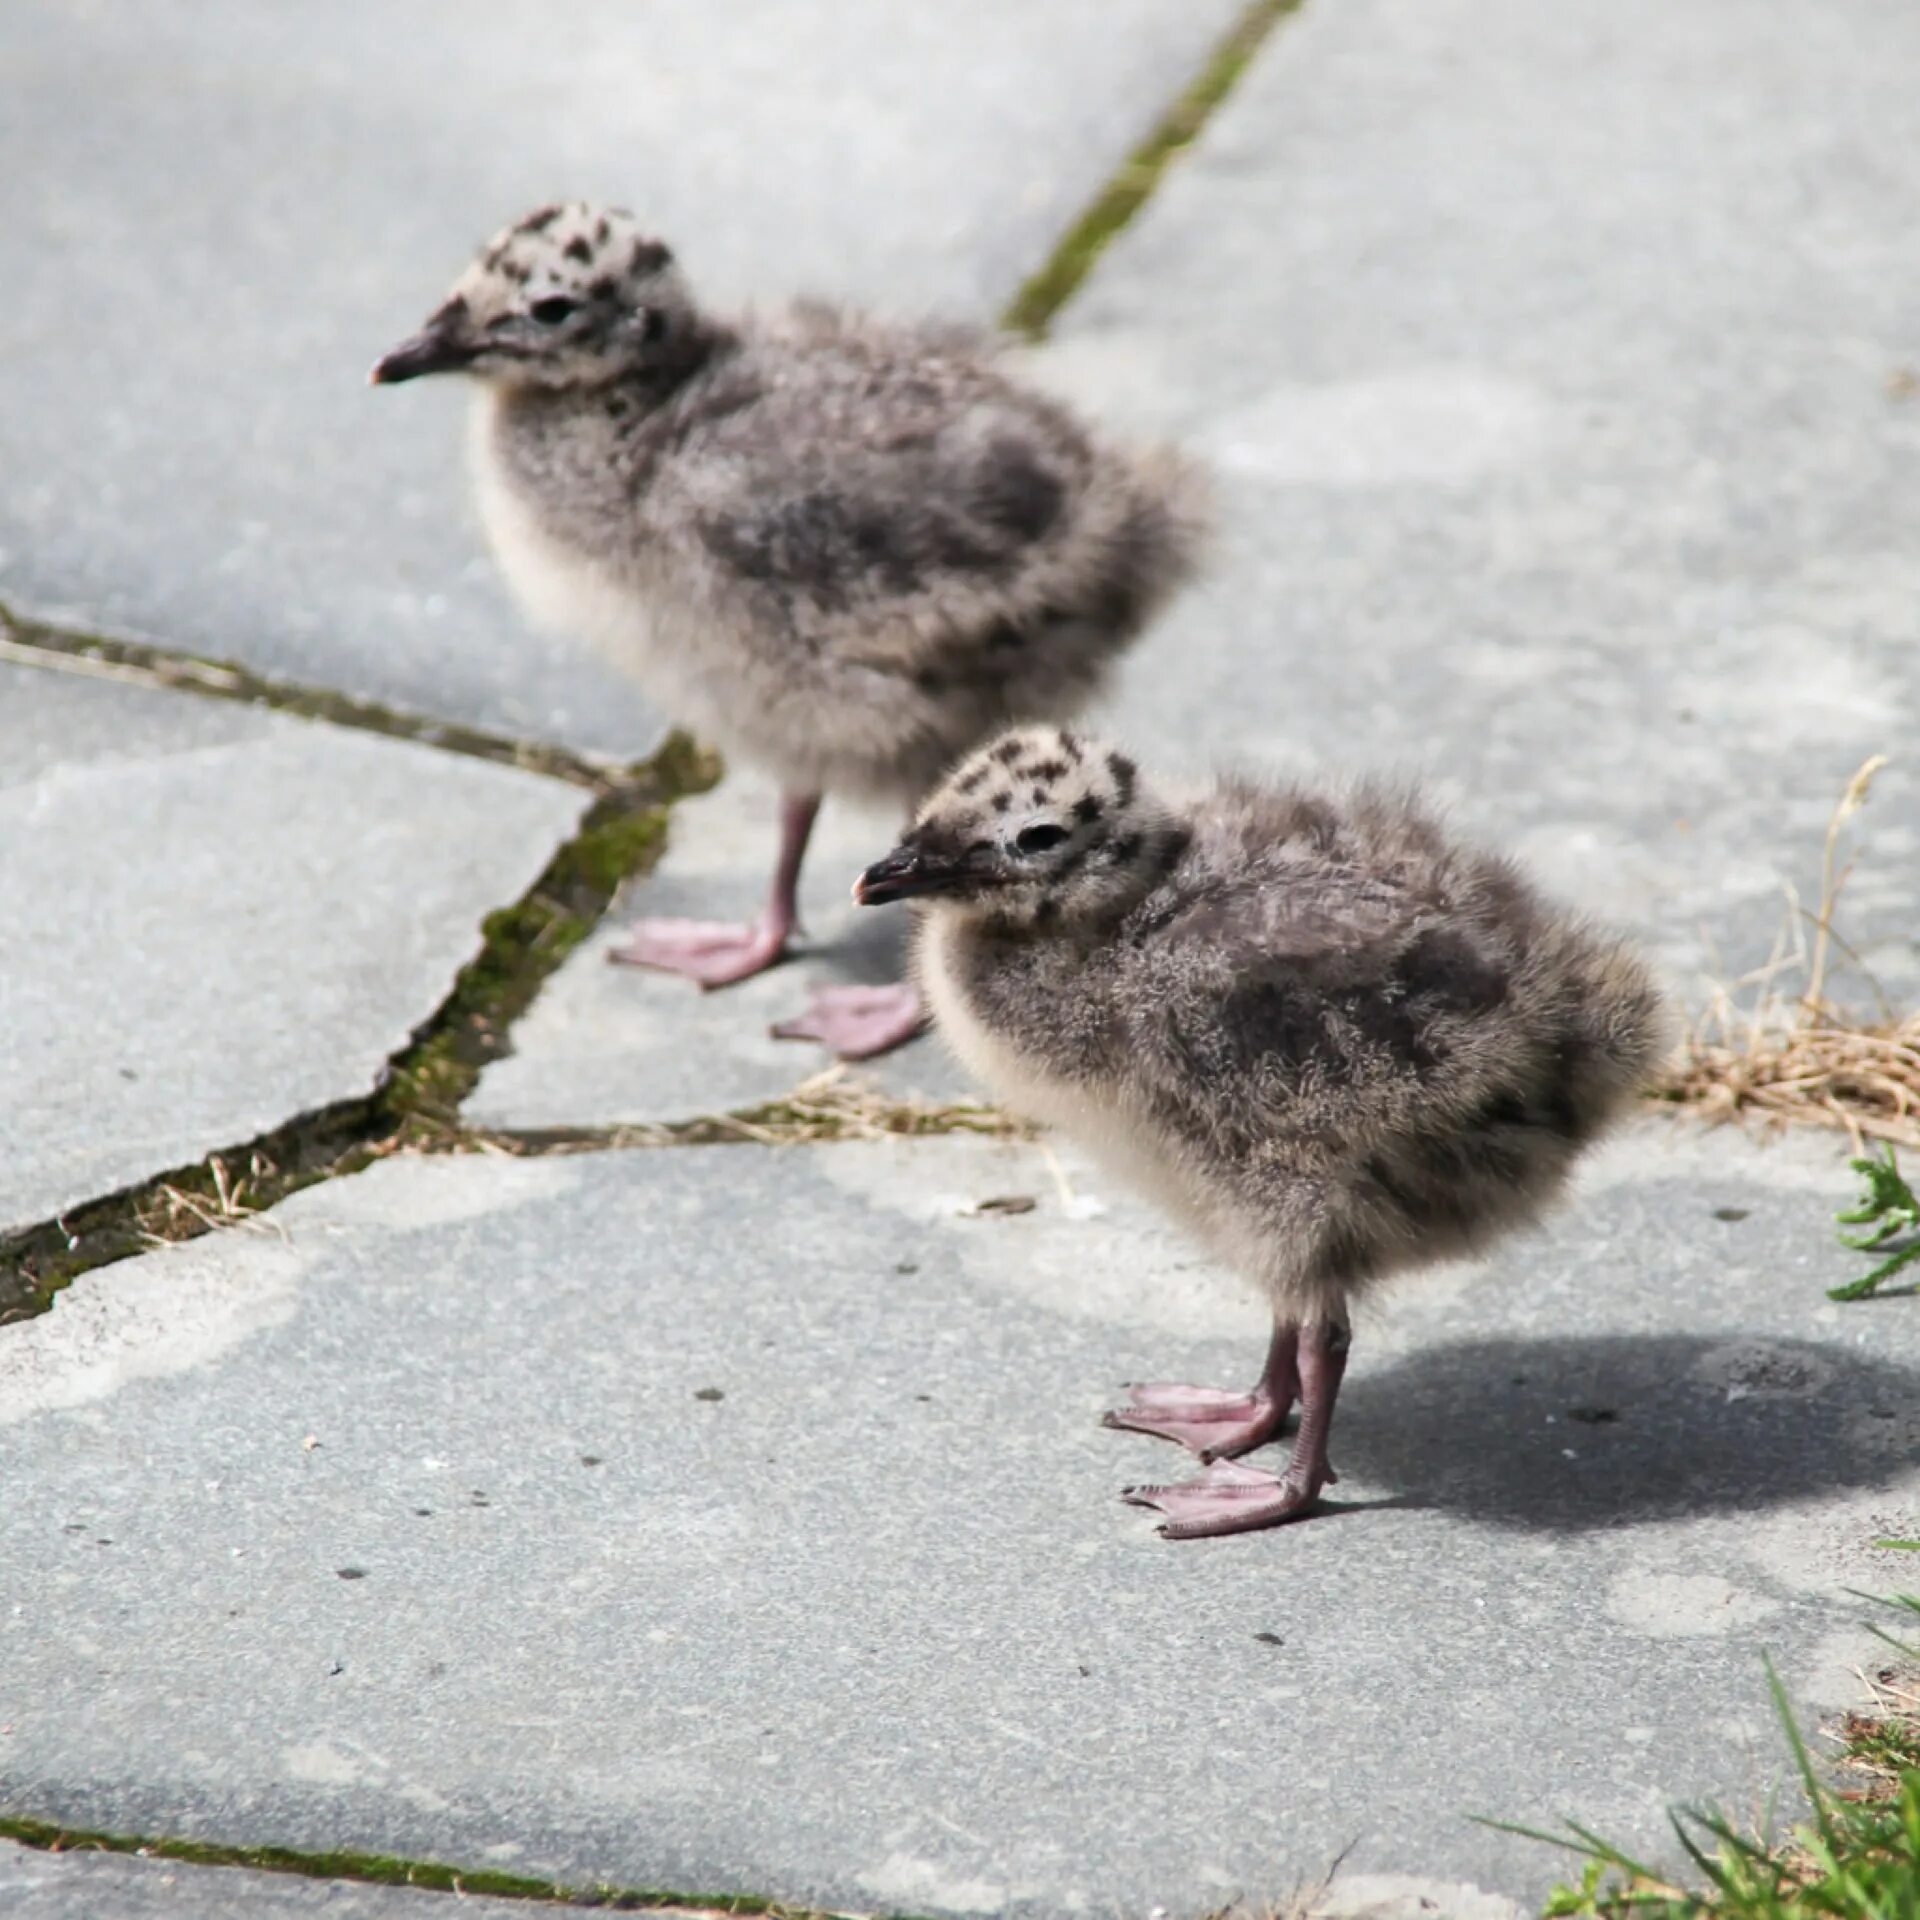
{"points": [[417, 1101], [389, 1871], [1047, 290], [830, 1106], [37, 643]]}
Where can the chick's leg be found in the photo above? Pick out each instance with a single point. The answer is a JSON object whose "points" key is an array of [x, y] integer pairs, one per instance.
{"points": [[1230, 1498], [858, 1022], [716, 953], [1217, 1424]]}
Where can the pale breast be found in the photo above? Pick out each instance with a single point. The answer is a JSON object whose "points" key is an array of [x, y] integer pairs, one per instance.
{"points": [[1099, 1117], [562, 588], [644, 613], [1014, 1079]]}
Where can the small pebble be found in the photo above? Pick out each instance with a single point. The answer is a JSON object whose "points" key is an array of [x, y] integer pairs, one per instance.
{"points": [[1007, 1203]]}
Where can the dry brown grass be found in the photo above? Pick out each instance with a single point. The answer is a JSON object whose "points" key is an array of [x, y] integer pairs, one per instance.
{"points": [[1881, 1741], [836, 1104], [1863, 1081], [1765, 1053], [170, 1212]]}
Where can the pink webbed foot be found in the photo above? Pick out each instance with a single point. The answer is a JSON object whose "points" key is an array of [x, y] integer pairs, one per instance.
{"points": [[1230, 1498], [712, 952], [858, 1022], [1215, 1424]]}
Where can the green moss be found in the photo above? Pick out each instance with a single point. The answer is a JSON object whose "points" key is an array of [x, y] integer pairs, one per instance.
{"points": [[1034, 306], [605, 856], [418, 1101], [385, 1870], [520, 947]]}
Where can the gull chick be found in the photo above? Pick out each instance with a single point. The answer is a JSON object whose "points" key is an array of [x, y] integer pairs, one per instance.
{"points": [[843, 550], [1333, 1041]]}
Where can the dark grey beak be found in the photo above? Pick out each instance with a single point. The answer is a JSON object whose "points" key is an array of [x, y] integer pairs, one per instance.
{"points": [[906, 871], [432, 350]]}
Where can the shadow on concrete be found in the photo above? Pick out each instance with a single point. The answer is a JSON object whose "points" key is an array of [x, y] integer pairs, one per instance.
{"points": [[1659, 1426], [871, 951]]}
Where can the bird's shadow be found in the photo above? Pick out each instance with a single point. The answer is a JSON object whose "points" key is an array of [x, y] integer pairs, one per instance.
{"points": [[868, 950], [1572, 1433]]}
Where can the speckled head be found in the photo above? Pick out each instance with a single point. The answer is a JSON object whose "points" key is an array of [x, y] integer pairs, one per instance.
{"points": [[570, 295], [1041, 827]]}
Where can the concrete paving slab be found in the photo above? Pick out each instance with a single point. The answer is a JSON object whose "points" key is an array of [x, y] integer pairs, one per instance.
{"points": [[740, 1519], [113, 1886], [222, 214], [1558, 368], [1402, 1896], [219, 918], [118, 1886], [606, 1045]]}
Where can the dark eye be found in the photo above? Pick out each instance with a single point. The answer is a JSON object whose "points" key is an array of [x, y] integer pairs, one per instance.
{"points": [[1037, 839], [552, 310]]}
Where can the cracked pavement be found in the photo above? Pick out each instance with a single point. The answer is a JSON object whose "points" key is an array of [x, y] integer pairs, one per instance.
{"points": [[737, 1518]]}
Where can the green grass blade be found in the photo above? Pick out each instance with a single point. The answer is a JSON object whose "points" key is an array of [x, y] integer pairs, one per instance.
{"points": [[1802, 1759]]}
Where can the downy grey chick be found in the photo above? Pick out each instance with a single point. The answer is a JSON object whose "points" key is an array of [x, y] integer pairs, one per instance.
{"points": [[1333, 1041], [844, 550]]}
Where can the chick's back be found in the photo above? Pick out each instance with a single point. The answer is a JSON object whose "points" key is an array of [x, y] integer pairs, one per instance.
{"points": [[1367, 1039], [891, 497]]}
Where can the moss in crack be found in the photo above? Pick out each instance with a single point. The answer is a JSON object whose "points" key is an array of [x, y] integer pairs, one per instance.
{"points": [[1034, 306], [417, 1102], [225, 1189], [520, 946], [388, 1871], [35, 643]]}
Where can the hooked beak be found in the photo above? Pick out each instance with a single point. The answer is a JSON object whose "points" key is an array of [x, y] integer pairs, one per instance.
{"points": [[434, 349], [904, 873]]}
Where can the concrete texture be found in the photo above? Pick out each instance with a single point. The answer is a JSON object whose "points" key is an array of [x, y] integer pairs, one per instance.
{"points": [[187, 449], [219, 918], [113, 1886], [118, 1886], [1400, 1896], [1558, 365], [740, 1519], [608, 1044]]}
